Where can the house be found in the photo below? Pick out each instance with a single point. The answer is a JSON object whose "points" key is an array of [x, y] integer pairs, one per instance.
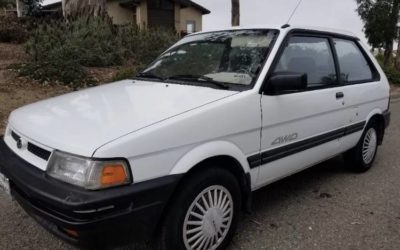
{"points": [[184, 16]]}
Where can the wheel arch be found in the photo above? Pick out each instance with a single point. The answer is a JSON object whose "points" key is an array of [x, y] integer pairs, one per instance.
{"points": [[207, 151], [377, 116], [219, 154]]}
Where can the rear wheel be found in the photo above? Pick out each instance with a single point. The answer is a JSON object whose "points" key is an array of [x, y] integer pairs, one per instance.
{"points": [[363, 155], [204, 214]]}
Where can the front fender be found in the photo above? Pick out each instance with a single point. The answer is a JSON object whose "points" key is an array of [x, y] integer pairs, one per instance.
{"points": [[208, 150]]}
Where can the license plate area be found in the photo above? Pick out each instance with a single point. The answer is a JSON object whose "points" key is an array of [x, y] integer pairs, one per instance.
{"points": [[4, 184]]}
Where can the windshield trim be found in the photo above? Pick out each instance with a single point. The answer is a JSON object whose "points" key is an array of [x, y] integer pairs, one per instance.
{"points": [[232, 86]]}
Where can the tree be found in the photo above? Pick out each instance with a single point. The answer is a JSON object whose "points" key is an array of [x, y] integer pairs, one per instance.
{"points": [[73, 8], [33, 7], [235, 13], [380, 23], [7, 3], [28, 7]]}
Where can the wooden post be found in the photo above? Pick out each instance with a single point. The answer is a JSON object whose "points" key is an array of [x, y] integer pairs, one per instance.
{"points": [[20, 8], [235, 13]]}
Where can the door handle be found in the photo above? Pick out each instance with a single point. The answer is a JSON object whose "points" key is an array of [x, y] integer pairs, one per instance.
{"points": [[339, 95]]}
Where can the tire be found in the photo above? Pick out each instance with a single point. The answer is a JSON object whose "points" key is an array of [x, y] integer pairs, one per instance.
{"points": [[178, 220], [362, 156]]}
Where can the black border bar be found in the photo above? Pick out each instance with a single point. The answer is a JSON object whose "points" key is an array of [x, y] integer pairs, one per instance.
{"points": [[262, 158]]}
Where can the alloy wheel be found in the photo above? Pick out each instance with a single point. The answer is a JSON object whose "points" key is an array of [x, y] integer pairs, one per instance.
{"points": [[208, 219], [369, 145]]}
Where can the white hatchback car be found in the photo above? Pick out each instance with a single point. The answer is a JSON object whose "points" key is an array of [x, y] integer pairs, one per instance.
{"points": [[177, 151]]}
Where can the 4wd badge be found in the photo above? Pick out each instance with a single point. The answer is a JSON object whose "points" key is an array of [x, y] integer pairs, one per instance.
{"points": [[285, 139]]}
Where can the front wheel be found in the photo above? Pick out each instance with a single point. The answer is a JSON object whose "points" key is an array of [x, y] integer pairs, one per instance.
{"points": [[363, 155], [204, 214]]}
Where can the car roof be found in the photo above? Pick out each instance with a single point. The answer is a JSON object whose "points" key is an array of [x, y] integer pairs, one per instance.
{"points": [[285, 28]]}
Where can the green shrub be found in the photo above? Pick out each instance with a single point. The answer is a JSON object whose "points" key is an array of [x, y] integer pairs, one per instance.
{"points": [[380, 57], [145, 45], [88, 41], [60, 50], [126, 73], [8, 4], [50, 71], [392, 74]]}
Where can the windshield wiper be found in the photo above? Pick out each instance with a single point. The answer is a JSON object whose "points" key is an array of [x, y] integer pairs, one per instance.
{"points": [[199, 78], [150, 75]]}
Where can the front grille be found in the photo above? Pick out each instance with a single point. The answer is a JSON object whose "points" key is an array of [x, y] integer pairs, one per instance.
{"points": [[39, 152], [15, 136]]}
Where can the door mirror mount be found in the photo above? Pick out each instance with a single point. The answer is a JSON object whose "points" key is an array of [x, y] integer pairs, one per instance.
{"points": [[285, 82]]}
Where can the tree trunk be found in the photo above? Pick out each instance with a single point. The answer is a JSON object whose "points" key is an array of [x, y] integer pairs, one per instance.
{"points": [[397, 64], [394, 18], [388, 53], [73, 8], [20, 8], [235, 13]]}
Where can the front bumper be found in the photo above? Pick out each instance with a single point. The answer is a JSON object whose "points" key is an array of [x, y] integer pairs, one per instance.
{"points": [[116, 215]]}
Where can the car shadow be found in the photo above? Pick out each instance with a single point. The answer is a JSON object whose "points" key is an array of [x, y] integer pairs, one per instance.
{"points": [[299, 184], [274, 195]]}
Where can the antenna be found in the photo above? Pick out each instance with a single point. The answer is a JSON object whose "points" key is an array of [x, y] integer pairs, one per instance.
{"points": [[294, 11]]}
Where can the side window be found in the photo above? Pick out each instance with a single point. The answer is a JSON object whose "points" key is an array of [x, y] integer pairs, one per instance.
{"points": [[311, 56], [353, 65]]}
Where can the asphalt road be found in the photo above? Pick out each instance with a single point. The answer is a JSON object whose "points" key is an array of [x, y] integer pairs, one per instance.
{"points": [[325, 207]]}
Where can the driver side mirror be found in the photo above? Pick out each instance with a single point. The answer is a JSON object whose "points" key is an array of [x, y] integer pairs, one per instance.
{"points": [[285, 82]]}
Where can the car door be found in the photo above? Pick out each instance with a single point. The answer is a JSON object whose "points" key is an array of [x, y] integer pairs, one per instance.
{"points": [[301, 127], [363, 90]]}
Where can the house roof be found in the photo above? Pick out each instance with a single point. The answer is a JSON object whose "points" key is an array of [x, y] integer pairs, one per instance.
{"points": [[188, 3], [184, 3], [129, 3], [52, 6]]}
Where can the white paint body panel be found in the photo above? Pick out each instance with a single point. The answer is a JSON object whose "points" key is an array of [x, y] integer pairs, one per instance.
{"points": [[81, 122], [307, 114], [164, 129], [227, 127], [24, 153]]}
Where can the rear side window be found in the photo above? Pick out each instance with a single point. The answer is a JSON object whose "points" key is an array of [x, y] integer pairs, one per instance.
{"points": [[311, 56], [354, 67]]}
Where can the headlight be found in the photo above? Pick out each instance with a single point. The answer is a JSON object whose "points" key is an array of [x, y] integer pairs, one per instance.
{"points": [[88, 173]]}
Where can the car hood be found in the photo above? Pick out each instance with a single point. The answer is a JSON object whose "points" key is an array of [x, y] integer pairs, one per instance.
{"points": [[81, 122]]}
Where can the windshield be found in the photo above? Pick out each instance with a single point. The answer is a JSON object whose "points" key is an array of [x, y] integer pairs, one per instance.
{"points": [[225, 57]]}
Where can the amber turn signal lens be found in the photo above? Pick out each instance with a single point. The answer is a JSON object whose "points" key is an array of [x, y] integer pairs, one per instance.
{"points": [[72, 233], [113, 175]]}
